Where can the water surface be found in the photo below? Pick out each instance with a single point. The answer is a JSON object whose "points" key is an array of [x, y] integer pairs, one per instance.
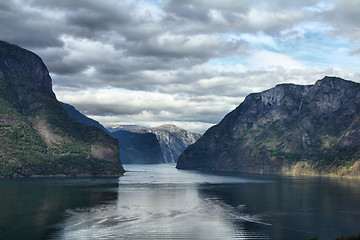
{"points": [[160, 202]]}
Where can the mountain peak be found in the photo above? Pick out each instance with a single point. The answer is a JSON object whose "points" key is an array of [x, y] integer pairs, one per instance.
{"points": [[38, 137], [289, 129], [332, 82], [170, 127], [16, 60]]}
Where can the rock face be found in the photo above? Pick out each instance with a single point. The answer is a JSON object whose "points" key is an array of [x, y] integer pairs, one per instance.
{"points": [[173, 140], [37, 136], [289, 129], [138, 148]]}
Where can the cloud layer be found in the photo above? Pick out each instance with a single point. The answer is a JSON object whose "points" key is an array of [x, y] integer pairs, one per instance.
{"points": [[183, 62]]}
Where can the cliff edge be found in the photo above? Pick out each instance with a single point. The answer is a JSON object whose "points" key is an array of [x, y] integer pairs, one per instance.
{"points": [[289, 129]]}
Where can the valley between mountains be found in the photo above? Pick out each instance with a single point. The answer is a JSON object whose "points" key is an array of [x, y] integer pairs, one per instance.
{"points": [[289, 129]]}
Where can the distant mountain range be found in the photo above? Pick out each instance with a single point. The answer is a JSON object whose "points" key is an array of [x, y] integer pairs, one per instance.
{"points": [[143, 145], [123, 127], [173, 140], [289, 129], [37, 136], [133, 147], [152, 145]]}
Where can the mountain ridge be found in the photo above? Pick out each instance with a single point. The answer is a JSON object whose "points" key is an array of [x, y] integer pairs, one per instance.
{"points": [[289, 129], [81, 118], [38, 137]]}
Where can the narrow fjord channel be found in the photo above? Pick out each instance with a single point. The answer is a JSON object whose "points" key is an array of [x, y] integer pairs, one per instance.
{"points": [[161, 202]]}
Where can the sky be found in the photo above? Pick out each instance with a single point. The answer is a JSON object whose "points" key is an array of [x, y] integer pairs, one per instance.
{"points": [[183, 62]]}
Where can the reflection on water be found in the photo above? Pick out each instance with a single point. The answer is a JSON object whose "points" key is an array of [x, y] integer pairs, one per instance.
{"points": [[160, 202], [164, 203], [30, 207]]}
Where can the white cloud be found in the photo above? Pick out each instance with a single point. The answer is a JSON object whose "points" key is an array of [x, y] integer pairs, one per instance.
{"points": [[265, 18], [264, 59], [259, 40], [320, 7], [217, 18], [147, 108]]}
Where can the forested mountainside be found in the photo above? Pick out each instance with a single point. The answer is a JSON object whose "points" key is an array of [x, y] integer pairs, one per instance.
{"points": [[37, 135]]}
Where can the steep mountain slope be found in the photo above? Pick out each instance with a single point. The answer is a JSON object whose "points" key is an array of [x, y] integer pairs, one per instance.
{"points": [[173, 140], [81, 118], [289, 129], [134, 147], [138, 147], [37, 135]]}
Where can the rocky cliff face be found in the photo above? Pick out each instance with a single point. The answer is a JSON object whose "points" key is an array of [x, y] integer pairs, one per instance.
{"points": [[138, 148], [173, 140], [289, 129], [37, 135]]}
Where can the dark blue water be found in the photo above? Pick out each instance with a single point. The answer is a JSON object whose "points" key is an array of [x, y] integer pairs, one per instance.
{"points": [[160, 202]]}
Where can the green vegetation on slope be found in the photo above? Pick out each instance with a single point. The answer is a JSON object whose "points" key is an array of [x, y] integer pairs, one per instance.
{"points": [[37, 136], [289, 129]]}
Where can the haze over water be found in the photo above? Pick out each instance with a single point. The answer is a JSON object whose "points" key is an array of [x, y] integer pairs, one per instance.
{"points": [[160, 202]]}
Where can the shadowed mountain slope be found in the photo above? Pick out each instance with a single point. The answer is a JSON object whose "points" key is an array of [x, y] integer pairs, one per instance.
{"points": [[289, 129]]}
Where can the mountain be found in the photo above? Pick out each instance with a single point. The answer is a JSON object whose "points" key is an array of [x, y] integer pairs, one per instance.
{"points": [[123, 127], [173, 140], [289, 129], [138, 147], [37, 136], [134, 147], [81, 118]]}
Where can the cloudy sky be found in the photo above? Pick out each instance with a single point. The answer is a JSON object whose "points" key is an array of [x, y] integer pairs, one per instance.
{"points": [[180, 61]]}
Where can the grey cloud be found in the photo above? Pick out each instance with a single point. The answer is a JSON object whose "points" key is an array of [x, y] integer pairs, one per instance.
{"points": [[157, 43], [5, 7], [189, 10], [355, 52], [27, 30], [196, 16], [97, 19], [69, 5], [99, 109], [182, 113], [344, 18], [186, 50], [151, 49], [199, 10], [162, 47], [64, 68], [44, 22]]}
